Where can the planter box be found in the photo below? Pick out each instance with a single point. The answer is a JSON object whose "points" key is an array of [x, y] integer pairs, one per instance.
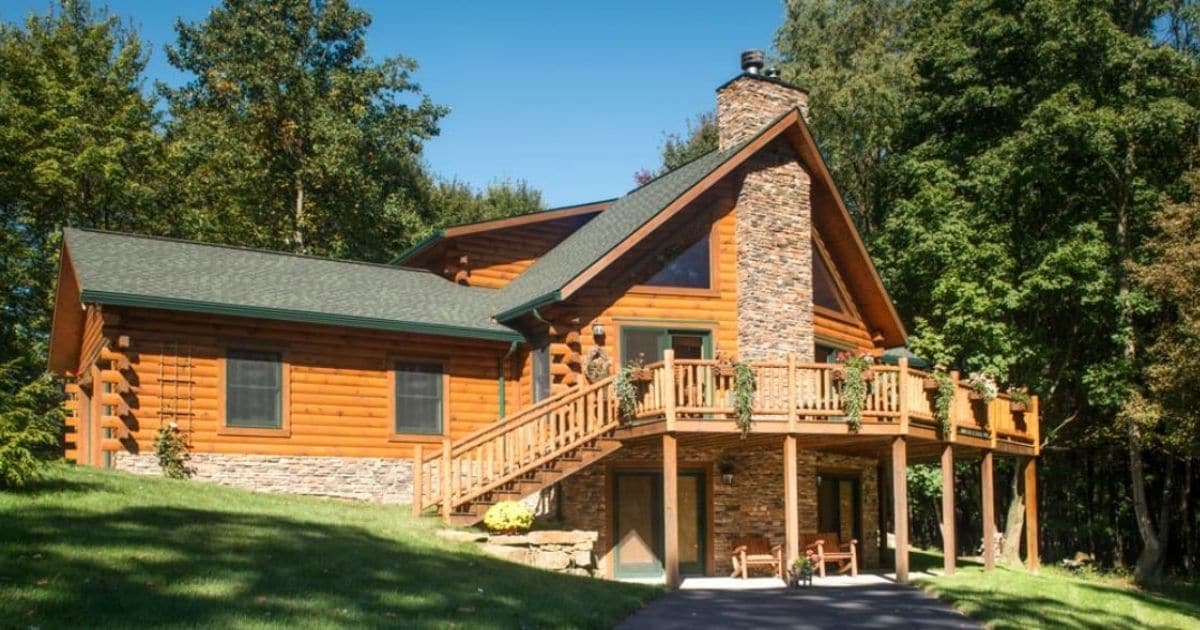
{"points": [[641, 375], [724, 370], [974, 395], [929, 385], [1018, 407]]}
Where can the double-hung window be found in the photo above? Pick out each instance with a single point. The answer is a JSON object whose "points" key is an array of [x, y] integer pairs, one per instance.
{"points": [[420, 398], [253, 389]]}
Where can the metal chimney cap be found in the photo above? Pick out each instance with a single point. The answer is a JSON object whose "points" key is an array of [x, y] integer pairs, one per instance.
{"points": [[752, 61]]}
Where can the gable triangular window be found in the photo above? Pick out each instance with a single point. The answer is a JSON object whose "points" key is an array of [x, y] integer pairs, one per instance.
{"points": [[689, 269], [828, 292]]}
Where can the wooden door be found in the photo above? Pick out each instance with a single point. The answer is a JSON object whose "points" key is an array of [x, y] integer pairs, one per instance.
{"points": [[637, 523]]}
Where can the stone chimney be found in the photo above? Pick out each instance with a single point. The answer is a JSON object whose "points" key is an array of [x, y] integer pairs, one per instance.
{"points": [[752, 99], [773, 218]]}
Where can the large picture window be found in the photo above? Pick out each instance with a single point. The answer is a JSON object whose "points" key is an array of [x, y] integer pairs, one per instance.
{"points": [[253, 389], [419, 398], [691, 269]]}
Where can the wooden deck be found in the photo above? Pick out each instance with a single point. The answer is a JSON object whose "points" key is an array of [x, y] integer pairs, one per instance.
{"points": [[805, 400]]}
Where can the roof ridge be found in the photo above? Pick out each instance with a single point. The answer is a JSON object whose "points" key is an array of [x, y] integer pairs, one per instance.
{"points": [[253, 250]]}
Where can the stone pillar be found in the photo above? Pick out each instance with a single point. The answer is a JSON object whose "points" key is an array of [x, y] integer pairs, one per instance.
{"points": [[774, 261]]}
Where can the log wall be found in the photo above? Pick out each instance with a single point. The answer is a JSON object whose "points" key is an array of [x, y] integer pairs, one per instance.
{"points": [[340, 394]]}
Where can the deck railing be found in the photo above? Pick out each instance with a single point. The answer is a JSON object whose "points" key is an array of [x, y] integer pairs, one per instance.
{"points": [[788, 391]]}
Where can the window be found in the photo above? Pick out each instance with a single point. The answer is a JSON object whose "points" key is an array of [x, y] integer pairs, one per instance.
{"points": [[825, 292], [648, 344], [825, 354], [253, 389], [541, 369], [419, 402], [691, 269]]}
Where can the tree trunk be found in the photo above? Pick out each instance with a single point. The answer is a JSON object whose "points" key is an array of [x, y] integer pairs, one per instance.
{"points": [[1014, 521], [298, 218], [1189, 521]]}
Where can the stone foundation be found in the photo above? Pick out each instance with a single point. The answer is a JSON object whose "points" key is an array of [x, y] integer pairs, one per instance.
{"points": [[378, 479], [562, 551], [753, 505]]}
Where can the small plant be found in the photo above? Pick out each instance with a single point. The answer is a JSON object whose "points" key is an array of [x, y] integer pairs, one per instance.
{"points": [[942, 400], [802, 571], [983, 387], [1019, 399], [626, 391], [171, 452], [744, 386], [598, 365], [508, 517], [854, 387]]}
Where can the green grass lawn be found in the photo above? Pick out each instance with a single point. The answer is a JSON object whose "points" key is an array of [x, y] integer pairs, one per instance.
{"points": [[91, 548], [1056, 598]]}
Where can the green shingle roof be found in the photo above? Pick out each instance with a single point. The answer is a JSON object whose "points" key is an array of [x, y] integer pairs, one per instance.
{"points": [[129, 270], [542, 281]]}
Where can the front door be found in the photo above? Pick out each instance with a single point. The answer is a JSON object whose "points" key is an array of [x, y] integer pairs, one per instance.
{"points": [[837, 508], [638, 518]]}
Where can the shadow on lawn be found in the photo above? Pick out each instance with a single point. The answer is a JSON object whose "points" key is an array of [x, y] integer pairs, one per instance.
{"points": [[1005, 610], [186, 567]]}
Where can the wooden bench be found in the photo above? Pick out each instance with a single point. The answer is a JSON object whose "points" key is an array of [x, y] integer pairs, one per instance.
{"points": [[756, 551], [823, 547]]}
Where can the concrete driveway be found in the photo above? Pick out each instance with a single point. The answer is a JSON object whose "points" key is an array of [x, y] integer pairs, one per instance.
{"points": [[875, 604]]}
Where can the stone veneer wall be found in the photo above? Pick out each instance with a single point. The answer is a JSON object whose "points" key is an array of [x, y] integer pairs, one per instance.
{"points": [[554, 550], [752, 505], [383, 480], [774, 224]]}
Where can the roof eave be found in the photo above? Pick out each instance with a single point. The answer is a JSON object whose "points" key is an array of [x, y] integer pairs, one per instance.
{"points": [[537, 302], [310, 317]]}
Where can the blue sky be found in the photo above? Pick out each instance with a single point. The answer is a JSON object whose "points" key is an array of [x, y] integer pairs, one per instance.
{"points": [[573, 97]]}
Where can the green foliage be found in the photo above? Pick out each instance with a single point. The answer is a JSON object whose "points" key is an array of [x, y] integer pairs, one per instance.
{"points": [[678, 149], [508, 517], [854, 389], [857, 65], [626, 390], [1019, 396], [744, 387], [943, 399], [30, 429], [171, 451], [289, 136]]}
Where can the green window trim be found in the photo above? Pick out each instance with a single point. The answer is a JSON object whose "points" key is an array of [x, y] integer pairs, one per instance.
{"points": [[666, 335]]}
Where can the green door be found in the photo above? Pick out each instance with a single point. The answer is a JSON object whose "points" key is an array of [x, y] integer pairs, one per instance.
{"points": [[638, 519]]}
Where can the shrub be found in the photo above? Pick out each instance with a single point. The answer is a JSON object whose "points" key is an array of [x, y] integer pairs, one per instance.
{"points": [[30, 426], [171, 452], [508, 517]]}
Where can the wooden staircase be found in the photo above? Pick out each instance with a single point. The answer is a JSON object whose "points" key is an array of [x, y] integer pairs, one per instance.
{"points": [[518, 455]]}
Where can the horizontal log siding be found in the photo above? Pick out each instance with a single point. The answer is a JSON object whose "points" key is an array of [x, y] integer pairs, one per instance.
{"points": [[93, 338], [843, 332], [495, 258], [340, 391], [609, 301]]}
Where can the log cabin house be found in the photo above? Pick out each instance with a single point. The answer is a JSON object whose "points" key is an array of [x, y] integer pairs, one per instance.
{"points": [[472, 368]]}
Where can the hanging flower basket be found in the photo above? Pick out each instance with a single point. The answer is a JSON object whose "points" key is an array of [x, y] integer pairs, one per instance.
{"points": [[724, 369], [641, 375], [1018, 406], [929, 384], [974, 395]]}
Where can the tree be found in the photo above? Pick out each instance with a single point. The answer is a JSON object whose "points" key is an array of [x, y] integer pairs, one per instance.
{"points": [[855, 61], [78, 146], [290, 137], [678, 149], [1040, 139], [456, 203]]}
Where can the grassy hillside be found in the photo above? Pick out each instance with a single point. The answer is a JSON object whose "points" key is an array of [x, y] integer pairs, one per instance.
{"points": [[1054, 598], [91, 548]]}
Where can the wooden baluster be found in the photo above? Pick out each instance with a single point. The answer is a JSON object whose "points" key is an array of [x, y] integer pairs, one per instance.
{"points": [[792, 387], [669, 378], [902, 394], [444, 468], [418, 485]]}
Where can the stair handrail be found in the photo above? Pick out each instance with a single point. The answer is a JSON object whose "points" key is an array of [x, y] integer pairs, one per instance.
{"points": [[508, 425]]}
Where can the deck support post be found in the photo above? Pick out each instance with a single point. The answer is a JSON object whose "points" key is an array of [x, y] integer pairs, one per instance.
{"points": [[987, 481], [1033, 558], [949, 543], [668, 385], [670, 511], [900, 505], [791, 502]]}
